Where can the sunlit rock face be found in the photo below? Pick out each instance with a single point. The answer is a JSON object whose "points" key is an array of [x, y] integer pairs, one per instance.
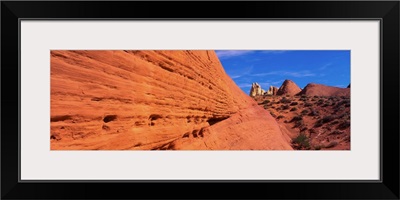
{"points": [[256, 90], [151, 100], [288, 87], [313, 89], [271, 91]]}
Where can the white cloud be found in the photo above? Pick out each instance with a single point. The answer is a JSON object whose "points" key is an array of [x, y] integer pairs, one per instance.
{"points": [[287, 73], [325, 66], [232, 53], [299, 74], [245, 71], [266, 74]]}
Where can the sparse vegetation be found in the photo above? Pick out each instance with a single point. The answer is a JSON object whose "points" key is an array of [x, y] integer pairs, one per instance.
{"points": [[296, 118], [313, 113], [344, 125], [280, 117], [326, 104], [325, 120], [298, 124], [285, 100], [266, 101], [318, 147], [304, 112], [285, 107], [272, 114], [308, 104], [301, 142], [335, 122], [303, 128], [328, 118]]}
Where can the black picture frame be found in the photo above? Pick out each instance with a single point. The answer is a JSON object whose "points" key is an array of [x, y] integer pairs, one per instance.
{"points": [[386, 11]]}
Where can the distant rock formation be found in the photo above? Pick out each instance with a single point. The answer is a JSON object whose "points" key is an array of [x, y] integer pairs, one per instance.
{"points": [[348, 86], [153, 100], [313, 89], [256, 90], [271, 91], [288, 87]]}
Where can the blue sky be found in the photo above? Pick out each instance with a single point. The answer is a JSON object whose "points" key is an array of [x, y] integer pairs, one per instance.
{"points": [[272, 67]]}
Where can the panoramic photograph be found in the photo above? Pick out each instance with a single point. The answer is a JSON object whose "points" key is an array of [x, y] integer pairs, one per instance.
{"points": [[200, 100]]}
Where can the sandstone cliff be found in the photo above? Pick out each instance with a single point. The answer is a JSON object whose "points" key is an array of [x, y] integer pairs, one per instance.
{"points": [[256, 90], [272, 90], [153, 100]]}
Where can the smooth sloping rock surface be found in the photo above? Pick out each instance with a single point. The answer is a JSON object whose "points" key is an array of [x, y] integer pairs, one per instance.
{"points": [[314, 89], [288, 87], [153, 100]]}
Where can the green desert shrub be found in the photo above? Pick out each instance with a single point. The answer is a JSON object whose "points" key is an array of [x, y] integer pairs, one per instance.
{"points": [[324, 120], [296, 118], [301, 142], [326, 105], [285, 100], [304, 128], [344, 125], [299, 124], [307, 104], [328, 118], [304, 112], [313, 112], [318, 147], [285, 107], [266, 101]]}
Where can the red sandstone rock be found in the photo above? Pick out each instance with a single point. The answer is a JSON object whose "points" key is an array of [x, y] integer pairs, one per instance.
{"points": [[288, 87], [153, 100], [313, 89]]}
